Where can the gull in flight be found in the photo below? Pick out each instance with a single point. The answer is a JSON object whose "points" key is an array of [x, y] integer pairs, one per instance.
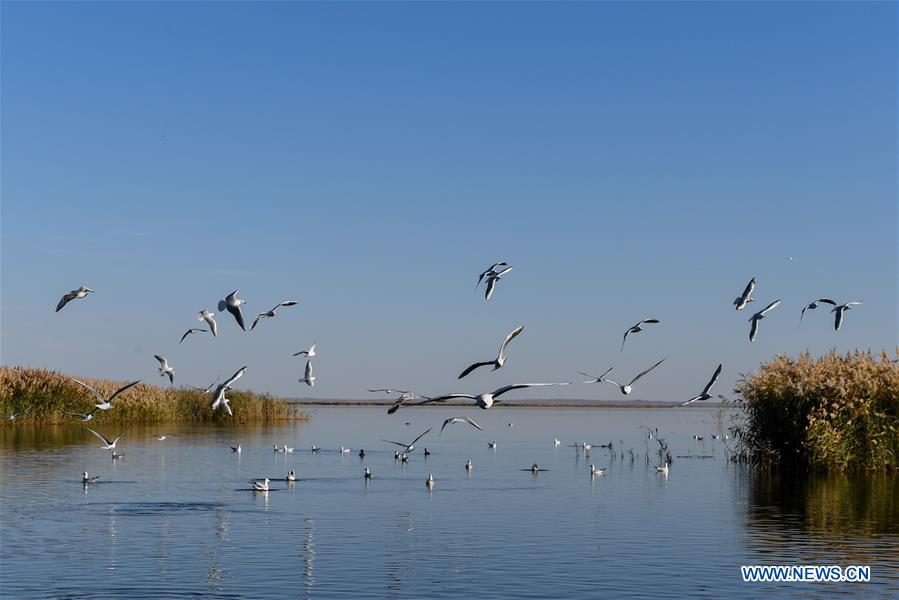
{"points": [[492, 278], [88, 480], [307, 353], [405, 397], [490, 272], [232, 303], [207, 389], [271, 313], [743, 299], [488, 399], [205, 315], [73, 295], [452, 420], [705, 395], [411, 446], [636, 328], [839, 310], [626, 388], [194, 329], [165, 369], [260, 485], [108, 445], [85, 417], [218, 395], [814, 305], [106, 403], [308, 377], [754, 327], [500, 359]]}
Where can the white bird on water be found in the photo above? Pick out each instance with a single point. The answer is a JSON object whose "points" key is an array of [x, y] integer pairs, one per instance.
{"points": [[236, 449], [411, 446], [814, 305], [260, 485], [165, 369], [452, 420], [492, 279], [73, 295], [488, 399], [163, 436], [308, 377], [705, 395], [557, 442], [663, 470], [500, 359], [307, 353], [366, 473], [205, 315], [194, 330], [743, 299], [106, 403], [594, 470], [628, 387], [491, 445], [636, 328], [430, 481], [107, 444], [218, 396], [88, 480], [468, 466], [839, 310], [754, 327], [271, 313], [232, 303]]}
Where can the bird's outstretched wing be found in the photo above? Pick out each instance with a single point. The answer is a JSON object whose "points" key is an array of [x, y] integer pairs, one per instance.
{"points": [[712, 381], [475, 366], [99, 397], [518, 386], [65, 300], [122, 389], [509, 338], [100, 436], [646, 371], [421, 436]]}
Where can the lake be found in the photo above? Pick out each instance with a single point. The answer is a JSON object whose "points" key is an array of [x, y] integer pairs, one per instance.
{"points": [[176, 519]]}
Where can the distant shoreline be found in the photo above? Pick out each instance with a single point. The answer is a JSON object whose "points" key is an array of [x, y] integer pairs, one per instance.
{"points": [[641, 404]]}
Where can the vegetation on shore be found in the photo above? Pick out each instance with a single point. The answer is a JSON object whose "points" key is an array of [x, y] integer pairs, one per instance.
{"points": [[836, 412], [43, 396]]}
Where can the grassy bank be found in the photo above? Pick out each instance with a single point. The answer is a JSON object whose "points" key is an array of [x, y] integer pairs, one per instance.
{"points": [[45, 396], [836, 412]]}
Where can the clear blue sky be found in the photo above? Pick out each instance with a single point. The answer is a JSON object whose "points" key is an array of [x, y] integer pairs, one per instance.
{"points": [[630, 160]]}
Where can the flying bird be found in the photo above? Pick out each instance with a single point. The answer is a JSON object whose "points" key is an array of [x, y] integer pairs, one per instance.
{"points": [[73, 295], [271, 313], [743, 299], [839, 310], [596, 379], [452, 420], [411, 446], [107, 444], [207, 389], [500, 359], [165, 369], [85, 417], [307, 353], [486, 400], [218, 396], [626, 388], [754, 328], [814, 305], [405, 397], [492, 279], [490, 272], [205, 315], [106, 403], [308, 376], [705, 395], [194, 329], [232, 303], [636, 328]]}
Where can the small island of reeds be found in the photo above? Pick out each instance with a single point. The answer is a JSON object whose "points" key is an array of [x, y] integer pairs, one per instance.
{"points": [[40, 396], [835, 413]]}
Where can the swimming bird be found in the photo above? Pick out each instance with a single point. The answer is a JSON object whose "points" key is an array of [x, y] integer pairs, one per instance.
{"points": [[236, 449], [493, 279], [839, 310], [452, 420], [468, 465], [192, 330], [163, 436], [557, 442], [404, 458], [411, 446], [308, 353], [489, 272], [430, 481], [636, 328], [594, 470], [286, 449], [500, 360], [814, 305], [165, 369], [427, 452], [486, 400], [362, 453], [106, 403], [308, 377], [116, 455], [85, 417], [743, 299], [218, 396], [271, 313], [535, 468], [491, 445], [345, 450], [396, 455], [315, 449], [73, 295], [108, 445], [754, 327], [260, 485], [704, 395], [663, 470], [628, 387], [367, 473], [232, 303], [291, 475], [205, 315], [86, 480]]}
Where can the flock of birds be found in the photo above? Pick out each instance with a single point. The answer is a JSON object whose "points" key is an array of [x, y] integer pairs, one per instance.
{"points": [[490, 277]]}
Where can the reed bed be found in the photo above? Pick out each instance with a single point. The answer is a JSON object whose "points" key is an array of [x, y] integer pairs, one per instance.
{"points": [[836, 413], [44, 396]]}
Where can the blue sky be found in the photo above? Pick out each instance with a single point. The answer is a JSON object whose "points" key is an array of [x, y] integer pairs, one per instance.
{"points": [[630, 160]]}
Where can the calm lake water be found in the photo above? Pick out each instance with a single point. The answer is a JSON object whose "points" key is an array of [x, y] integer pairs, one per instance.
{"points": [[175, 519]]}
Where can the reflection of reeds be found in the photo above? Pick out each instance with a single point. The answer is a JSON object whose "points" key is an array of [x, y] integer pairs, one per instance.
{"points": [[838, 412], [45, 396]]}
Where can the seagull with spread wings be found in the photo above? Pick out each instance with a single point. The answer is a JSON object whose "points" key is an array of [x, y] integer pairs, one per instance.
{"points": [[192, 330], [452, 420], [704, 395], [500, 360], [636, 328], [814, 305], [165, 369], [232, 303], [205, 315], [743, 299], [411, 446], [628, 387], [839, 310], [106, 403], [754, 327], [107, 444], [73, 295], [271, 313], [488, 399]]}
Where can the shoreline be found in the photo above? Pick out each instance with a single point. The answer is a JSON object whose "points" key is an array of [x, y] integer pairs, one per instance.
{"points": [[638, 404]]}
